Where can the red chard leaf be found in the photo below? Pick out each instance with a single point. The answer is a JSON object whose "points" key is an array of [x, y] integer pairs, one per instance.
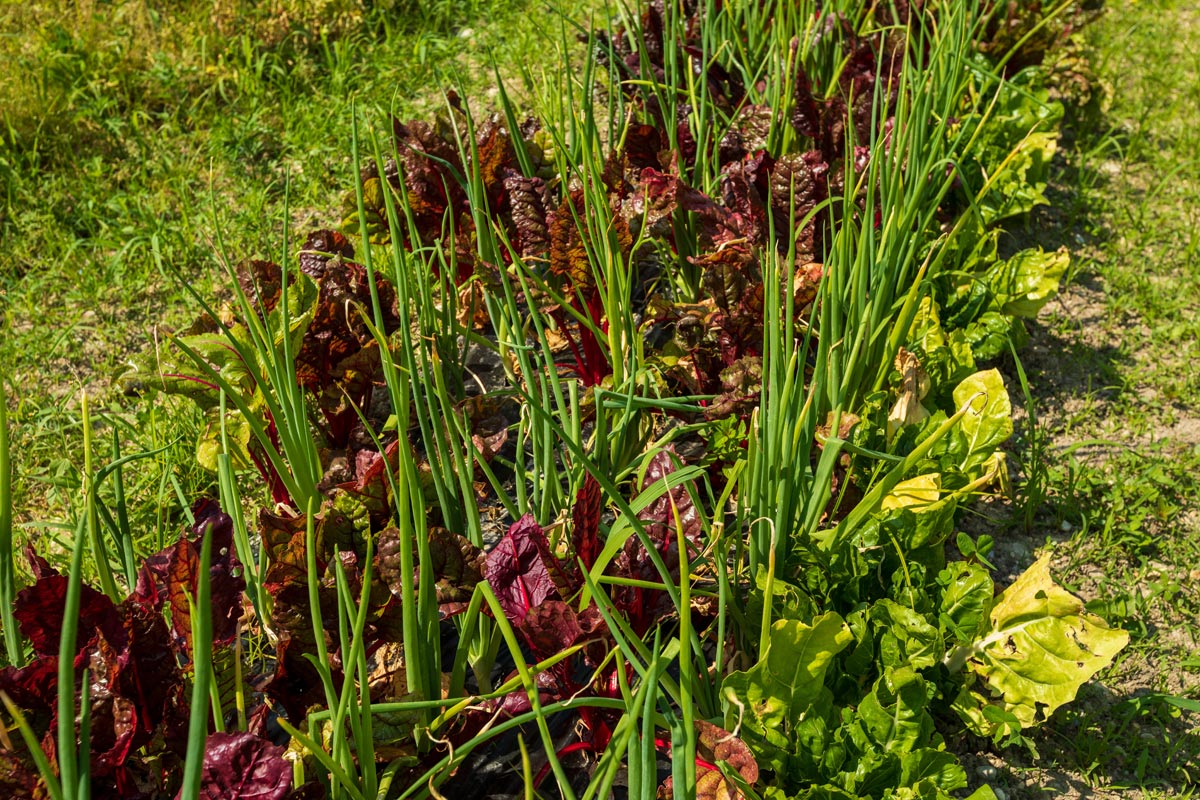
{"points": [[39, 613], [517, 571], [550, 628], [241, 766], [586, 518], [322, 249], [672, 509], [19, 778], [38, 566], [114, 717], [528, 201], [32, 687]]}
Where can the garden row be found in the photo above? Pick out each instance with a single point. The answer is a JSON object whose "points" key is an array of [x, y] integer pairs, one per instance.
{"points": [[612, 449]]}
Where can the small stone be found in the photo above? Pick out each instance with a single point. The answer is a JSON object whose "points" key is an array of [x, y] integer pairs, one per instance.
{"points": [[1000, 794], [986, 771], [1065, 527]]}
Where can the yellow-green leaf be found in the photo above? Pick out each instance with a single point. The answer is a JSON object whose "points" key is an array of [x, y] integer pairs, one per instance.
{"points": [[778, 690], [1041, 646], [988, 421]]}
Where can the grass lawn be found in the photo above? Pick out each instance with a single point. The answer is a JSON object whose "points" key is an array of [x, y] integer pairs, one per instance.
{"points": [[143, 144]]}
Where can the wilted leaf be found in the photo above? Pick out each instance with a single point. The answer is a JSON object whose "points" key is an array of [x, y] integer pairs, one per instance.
{"points": [[456, 563], [914, 385]]}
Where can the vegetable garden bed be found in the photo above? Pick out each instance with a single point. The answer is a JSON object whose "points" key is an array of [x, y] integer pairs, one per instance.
{"points": [[613, 446]]}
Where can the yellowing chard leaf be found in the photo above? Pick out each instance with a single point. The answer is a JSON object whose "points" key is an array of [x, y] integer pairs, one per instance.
{"points": [[1020, 184], [914, 493], [1040, 648], [238, 433], [988, 421]]}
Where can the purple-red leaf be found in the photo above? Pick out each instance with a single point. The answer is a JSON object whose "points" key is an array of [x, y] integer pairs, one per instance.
{"points": [[241, 766], [114, 717], [669, 514], [170, 577], [32, 687], [586, 518], [671, 511], [39, 612], [550, 628], [527, 204], [517, 571]]}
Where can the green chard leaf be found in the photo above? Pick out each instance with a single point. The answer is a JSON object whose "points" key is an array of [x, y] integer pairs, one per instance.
{"points": [[892, 717], [937, 767], [1023, 284], [906, 639], [777, 693], [988, 421], [969, 591]]}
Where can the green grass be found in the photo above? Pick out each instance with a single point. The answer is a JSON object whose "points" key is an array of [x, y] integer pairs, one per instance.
{"points": [[1113, 368], [135, 135]]}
